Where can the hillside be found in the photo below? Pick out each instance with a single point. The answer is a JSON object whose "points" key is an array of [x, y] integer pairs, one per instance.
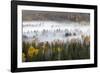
{"points": [[54, 16]]}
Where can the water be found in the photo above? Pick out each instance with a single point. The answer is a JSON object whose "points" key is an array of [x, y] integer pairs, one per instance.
{"points": [[43, 31]]}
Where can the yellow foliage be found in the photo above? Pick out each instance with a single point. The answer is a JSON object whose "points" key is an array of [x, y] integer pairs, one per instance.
{"points": [[87, 39], [23, 57], [36, 51], [32, 51], [59, 49]]}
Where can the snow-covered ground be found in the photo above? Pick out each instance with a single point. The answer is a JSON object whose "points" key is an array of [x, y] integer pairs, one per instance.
{"points": [[51, 30]]}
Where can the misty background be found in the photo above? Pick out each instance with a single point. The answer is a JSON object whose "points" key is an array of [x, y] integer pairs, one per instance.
{"points": [[29, 15]]}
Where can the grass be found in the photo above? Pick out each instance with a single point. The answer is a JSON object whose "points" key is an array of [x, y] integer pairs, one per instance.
{"points": [[46, 51]]}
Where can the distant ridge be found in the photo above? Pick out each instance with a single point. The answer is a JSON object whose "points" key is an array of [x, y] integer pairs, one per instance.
{"points": [[29, 15]]}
